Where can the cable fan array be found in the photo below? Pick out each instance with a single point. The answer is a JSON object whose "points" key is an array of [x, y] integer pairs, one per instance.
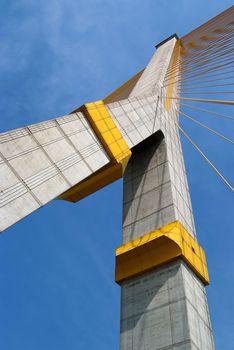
{"points": [[202, 72]]}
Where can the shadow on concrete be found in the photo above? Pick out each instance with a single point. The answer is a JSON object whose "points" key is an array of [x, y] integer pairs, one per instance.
{"points": [[135, 175], [143, 289]]}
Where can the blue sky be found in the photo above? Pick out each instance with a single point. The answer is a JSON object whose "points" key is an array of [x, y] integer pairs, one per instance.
{"points": [[57, 286]]}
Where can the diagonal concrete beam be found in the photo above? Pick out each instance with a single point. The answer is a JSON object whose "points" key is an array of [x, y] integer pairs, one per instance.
{"points": [[69, 157]]}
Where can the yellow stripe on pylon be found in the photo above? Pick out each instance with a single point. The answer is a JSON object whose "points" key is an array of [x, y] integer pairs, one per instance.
{"points": [[157, 248], [115, 146]]}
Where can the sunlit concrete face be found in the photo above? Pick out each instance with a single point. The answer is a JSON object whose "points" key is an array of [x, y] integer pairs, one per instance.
{"points": [[41, 161]]}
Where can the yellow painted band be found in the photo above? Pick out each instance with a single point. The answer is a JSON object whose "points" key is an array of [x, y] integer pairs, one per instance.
{"points": [[159, 247], [174, 60], [107, 132], [115, 146]]}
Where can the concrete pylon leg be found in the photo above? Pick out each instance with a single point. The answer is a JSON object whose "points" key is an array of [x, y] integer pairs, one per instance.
{"points": [[164, 307]]}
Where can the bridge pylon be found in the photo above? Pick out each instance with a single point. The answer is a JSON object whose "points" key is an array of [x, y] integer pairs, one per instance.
{"points": [[134, 133]]}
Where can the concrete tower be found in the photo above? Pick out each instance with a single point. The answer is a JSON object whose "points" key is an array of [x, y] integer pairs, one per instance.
{"points": [[133, 133]]}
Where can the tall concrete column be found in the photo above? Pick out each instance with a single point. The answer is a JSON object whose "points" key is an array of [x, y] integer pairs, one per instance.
{"points": [[163, 303], [160, 266]]}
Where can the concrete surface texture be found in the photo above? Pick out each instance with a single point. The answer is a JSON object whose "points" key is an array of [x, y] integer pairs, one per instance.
{"points": [[165, 309], [40, 162]]}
